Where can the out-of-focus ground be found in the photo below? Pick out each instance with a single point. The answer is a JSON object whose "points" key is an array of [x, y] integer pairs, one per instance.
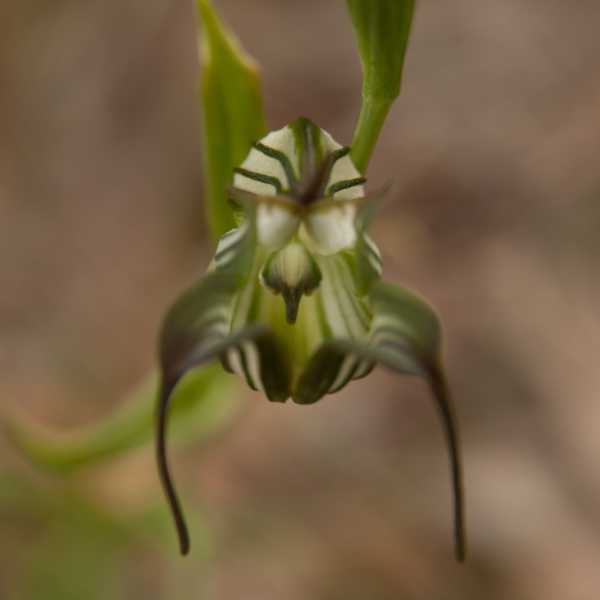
{"points": [[494, 153]]}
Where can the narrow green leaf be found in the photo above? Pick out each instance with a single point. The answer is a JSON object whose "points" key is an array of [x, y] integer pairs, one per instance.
{"points": [[406, 338], [203, 403], [382, 28], [232, 110]]}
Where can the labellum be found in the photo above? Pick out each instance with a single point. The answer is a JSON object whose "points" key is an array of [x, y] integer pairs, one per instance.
{"points": [[293, 299]]}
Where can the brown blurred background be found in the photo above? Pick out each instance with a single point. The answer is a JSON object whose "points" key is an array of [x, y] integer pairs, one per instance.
{"points": [[494, 152]]}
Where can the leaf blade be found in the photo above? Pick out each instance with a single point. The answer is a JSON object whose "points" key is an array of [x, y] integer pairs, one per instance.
{"points": [[232, 113]]}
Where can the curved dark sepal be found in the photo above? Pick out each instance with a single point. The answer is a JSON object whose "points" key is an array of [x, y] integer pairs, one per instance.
{"points": [[194, 332], [406, 339]]}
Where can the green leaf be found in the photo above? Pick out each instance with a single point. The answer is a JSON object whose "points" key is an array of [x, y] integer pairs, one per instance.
{"points": [[232, 110], [90, 542], [203, 403], [406, 338], [82, 543], [382, 28]]}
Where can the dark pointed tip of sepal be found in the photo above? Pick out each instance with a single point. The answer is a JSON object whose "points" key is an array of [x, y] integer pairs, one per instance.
{"points": [[442, 395], [163, 468], [460, 554], [460, 543], [184, 547]]}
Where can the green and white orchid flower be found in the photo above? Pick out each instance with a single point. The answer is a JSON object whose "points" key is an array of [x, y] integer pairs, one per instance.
{"points": [[293, 300]]}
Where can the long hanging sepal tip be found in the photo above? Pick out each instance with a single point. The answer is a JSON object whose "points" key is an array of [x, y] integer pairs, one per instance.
{"points": [[163, 470], [441, 395]]}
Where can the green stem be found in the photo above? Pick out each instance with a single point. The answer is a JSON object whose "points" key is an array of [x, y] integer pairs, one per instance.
{"points": [[202, 404], [370, 122]]}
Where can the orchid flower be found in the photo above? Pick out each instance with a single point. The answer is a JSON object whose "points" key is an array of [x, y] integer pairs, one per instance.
{"points": [[293, 300]]}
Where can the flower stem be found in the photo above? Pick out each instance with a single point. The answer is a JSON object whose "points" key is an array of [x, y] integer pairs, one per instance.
{"points": [[369, 125]]}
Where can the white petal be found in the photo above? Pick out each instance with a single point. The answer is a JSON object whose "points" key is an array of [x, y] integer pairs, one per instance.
{"points": [[275, 225], [329, 144], [331, 230], [343, 170], [282, 140]]}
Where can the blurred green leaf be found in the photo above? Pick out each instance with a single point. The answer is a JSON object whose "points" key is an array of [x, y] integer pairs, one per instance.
{"points": [[60, 543], [232, 109], [202, 403], [62, 547], [382, 28], [77, 557]]}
